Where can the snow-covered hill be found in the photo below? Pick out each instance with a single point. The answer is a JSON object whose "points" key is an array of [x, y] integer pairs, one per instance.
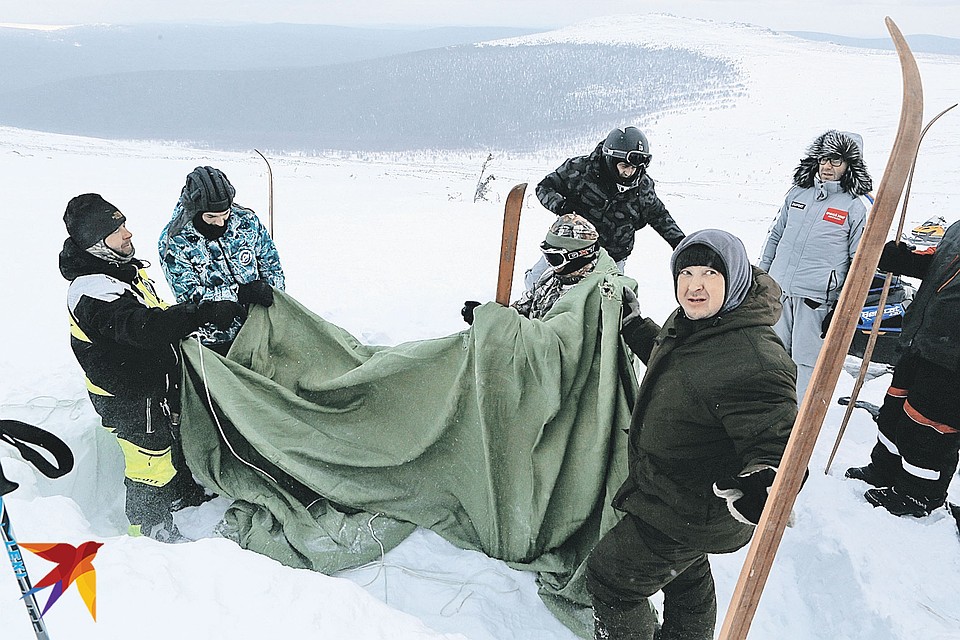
{"points": [[388, 246]]}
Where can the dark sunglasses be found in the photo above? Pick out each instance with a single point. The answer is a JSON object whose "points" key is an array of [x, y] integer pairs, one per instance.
{"points": [[834, 162], [634, 158]]}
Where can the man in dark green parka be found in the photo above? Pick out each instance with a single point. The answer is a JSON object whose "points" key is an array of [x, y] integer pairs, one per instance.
{"points": [[713, 416]]}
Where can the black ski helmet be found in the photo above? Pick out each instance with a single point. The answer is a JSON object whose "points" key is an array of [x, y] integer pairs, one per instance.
{"points": [[207, 189], [627, 145]]}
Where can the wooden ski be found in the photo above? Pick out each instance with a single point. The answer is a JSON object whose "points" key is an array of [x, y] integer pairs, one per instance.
{"points": [[881, 305], [269, 194], [796, 457], [508, 244]]}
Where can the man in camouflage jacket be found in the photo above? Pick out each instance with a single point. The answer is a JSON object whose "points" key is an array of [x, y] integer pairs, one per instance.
{"points": [[595, 187], [214, 249]]}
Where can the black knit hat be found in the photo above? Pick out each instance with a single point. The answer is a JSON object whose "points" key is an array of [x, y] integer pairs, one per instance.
{"points": [[90, 219], [698, 255], [207, 189]]}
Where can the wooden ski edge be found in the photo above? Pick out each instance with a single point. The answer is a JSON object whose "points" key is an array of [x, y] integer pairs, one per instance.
{"points": [[508, 242], [881, 304], [796, 457]]}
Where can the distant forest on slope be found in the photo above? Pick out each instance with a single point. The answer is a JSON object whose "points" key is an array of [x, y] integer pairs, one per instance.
{"points": [[460, 97]]}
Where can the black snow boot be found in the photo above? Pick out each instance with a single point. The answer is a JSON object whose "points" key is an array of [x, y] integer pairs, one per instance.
{"points": [[190, 494], [868, 474], [166, 532], [955, 511], [899, 504]]}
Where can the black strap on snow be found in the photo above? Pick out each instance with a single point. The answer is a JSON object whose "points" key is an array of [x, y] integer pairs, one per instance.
{"points": [[22, 435]]}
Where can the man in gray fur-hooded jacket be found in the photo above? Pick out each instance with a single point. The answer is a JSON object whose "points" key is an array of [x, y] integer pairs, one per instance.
{"points": [[811, 244]]}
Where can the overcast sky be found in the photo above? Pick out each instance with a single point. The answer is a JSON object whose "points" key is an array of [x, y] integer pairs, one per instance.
{"points": [[843, 17]]}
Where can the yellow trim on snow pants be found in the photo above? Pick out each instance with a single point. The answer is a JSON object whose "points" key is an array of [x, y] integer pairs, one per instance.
{"points": [[145, 435]]}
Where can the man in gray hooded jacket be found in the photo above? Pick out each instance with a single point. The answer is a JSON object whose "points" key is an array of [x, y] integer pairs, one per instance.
{"points": [[811, 244]]}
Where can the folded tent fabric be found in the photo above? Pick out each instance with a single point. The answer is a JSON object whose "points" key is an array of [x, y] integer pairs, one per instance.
{"points": [[508, 438]]}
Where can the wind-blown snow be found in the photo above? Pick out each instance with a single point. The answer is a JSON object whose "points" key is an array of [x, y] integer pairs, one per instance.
{"points": [[388, 247]]}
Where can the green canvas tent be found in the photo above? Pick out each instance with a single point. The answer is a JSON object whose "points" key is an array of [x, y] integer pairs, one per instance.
{"points": [[507, 438]]}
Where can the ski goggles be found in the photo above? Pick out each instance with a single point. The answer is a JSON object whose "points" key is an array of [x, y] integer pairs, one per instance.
{"points": [[633, 158], [558, 257]]}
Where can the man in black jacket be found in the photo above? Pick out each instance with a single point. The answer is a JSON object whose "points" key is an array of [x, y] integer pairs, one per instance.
{"points": [[126, 339], [915, 457], [711, 420], [611, 188]]}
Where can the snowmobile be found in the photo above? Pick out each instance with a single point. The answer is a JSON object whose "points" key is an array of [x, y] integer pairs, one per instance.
{"points": [[901, 293], [927, 234], [887, 348]]}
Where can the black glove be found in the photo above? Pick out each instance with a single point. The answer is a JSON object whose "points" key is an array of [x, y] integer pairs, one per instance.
{"points": [[905, 260], [467, 311], [893, 255], [746, 493], [220, 313], [631, 307], [256, 292], [569, 205]]}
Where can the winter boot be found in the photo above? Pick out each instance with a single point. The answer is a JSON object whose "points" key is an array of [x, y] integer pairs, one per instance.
{"points": [[161, 532], [168, 533], [868, 474], [899, 504], [955, 511], [191, 494]]}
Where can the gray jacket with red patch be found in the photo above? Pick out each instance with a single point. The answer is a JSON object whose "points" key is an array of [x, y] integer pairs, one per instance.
{"points": [[811, 244]]}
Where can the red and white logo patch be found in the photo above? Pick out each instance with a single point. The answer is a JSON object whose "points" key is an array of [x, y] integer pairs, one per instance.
{"points": [[836, 216]]}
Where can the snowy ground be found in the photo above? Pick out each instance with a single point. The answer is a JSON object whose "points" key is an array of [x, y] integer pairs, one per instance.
{"points": [[389, 247]]}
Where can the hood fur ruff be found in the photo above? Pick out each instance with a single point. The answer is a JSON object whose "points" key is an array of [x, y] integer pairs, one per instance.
{"points": [[849, 146]]}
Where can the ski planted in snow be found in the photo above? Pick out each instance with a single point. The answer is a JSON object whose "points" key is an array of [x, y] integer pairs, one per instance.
{"points": [[508, 243], [796, 456], [881, 305]]}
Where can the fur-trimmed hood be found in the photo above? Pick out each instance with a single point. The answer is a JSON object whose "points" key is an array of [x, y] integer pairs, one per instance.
{"points": [[849, 146]]}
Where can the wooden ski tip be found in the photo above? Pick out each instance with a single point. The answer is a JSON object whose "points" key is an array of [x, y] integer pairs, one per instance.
{"points": [[508, 244], [796, 457]]}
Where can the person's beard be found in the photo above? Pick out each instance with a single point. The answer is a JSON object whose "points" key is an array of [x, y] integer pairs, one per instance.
{"points": [[102, 251]]}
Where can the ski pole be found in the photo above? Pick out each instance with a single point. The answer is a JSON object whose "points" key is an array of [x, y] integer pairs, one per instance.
{"points": [[22, 435], [881, 305], [865, 364], [269, 193], [16, 560]]}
